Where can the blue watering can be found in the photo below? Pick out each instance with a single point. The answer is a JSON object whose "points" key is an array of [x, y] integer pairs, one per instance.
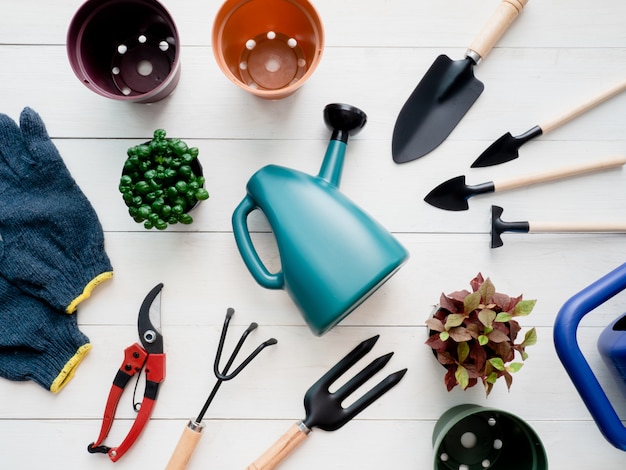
{"points": [[612, 347], [333, 254]]}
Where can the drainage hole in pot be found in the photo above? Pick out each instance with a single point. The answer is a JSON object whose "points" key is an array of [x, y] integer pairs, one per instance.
{"points": [[491, 422], [463, 467], [142, 39], [164, 46], [486, 463], [444, 457], [469, 440], [144, 68], [497, 444], [122, 49]]}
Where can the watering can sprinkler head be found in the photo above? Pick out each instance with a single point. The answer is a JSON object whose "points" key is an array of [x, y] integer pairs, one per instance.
{"points": [[344, 120]]}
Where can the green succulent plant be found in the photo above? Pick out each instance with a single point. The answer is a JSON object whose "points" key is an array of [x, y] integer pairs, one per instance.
{"points": [[161, 181], [474, 334]]}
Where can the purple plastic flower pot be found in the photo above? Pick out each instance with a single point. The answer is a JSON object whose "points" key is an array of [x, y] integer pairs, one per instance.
{"points": [[125, 49]]}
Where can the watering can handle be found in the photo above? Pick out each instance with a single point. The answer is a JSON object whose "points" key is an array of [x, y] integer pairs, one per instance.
{"points": [[577, 367], [246, 247]]}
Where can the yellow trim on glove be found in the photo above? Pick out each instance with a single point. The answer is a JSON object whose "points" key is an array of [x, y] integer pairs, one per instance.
{"points": [[70, 369], [71, 308]]}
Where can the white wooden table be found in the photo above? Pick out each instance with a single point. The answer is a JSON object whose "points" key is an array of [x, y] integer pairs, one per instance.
{"points": [[558, 53]]}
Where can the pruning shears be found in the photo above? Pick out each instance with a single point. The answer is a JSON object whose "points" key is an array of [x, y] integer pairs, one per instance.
{"points": [[149, 356]]}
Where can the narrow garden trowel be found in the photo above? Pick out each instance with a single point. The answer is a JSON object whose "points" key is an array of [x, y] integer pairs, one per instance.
{"points": [[447, 91], [453, 194], [499, 226], [506, 147]]}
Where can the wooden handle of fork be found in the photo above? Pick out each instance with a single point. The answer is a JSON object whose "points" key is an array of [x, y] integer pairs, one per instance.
{"points": [[281, 448]]}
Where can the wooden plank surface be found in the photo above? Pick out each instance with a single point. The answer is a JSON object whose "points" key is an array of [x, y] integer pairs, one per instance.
{"points": [[557, 54]]}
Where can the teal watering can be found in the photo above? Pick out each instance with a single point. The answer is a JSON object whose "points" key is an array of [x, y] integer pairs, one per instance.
{"points": [[333, 255]]}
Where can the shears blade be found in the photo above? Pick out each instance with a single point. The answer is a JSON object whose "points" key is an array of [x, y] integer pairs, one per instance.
{"points": [[149, 321]]}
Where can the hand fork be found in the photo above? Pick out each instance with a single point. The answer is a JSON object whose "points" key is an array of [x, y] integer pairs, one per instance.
{"points": [[323, 408]]}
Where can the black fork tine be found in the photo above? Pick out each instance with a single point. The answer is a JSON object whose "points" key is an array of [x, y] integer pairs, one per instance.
{"points": [[348, 361], [374, 394], [353, 384]]}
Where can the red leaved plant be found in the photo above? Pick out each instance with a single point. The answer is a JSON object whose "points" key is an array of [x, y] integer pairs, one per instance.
{"points": [[474, 334]]}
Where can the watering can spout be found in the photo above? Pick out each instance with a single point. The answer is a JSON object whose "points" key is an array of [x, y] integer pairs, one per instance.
{"points": [[344, 120]]}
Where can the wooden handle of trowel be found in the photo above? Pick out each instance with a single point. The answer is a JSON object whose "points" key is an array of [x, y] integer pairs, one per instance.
{"points": [[281, 448], [582, 108], [560, 173], [499, 22], [186, 446]]}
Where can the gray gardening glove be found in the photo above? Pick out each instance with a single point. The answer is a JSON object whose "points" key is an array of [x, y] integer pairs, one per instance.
{"points": [[51, 241]]}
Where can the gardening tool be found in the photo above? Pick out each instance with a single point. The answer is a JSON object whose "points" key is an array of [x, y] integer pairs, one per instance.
{"points": [[473, 437], [505, 148], [149, 356], [333, 255], [453, 194], [447, 91], [612, 347], [323, 408], [193, 432], [499, 226]]}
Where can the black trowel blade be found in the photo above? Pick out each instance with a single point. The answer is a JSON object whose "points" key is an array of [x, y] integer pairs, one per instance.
{"points": [[441, 99]]}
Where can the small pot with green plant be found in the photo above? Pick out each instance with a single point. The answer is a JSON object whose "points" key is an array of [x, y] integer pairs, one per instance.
{"points": [[162, 181], [474, 334]]}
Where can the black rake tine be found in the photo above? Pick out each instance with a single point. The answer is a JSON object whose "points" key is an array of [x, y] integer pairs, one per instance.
{"points": [[375, 393], [249, 359], [368, 372], [224, 375], [348, 361]]}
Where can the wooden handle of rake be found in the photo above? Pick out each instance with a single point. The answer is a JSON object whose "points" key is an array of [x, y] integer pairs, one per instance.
{"points": [[585, 227], [186, 446], [281, 448]]}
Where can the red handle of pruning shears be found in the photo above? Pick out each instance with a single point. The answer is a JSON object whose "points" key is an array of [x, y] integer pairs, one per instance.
{"points": [[135, 359]]}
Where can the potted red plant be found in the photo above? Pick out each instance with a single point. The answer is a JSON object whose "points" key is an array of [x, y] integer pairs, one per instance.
{"points": [[473, 335]]}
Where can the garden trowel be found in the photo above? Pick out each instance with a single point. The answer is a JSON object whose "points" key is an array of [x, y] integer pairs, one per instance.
{"points": [[447, 91]]}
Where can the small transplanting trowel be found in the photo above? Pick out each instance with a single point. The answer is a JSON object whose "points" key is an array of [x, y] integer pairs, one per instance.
{"points": [[453, 194], [506, 147]]}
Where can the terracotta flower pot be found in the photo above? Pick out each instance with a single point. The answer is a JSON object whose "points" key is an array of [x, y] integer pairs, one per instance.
{"points": [[268, 47]]}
